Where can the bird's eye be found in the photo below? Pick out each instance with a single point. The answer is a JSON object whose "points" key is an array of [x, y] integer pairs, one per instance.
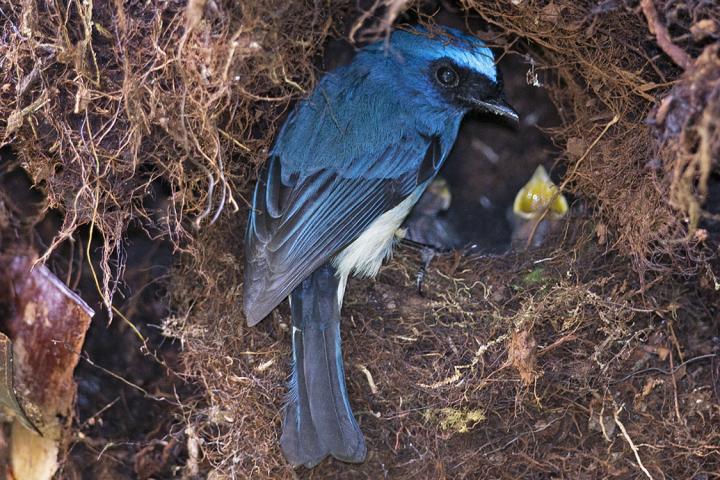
{"points": [[447, 76]]}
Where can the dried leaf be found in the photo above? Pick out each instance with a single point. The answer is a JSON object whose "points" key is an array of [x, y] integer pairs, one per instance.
{"points": [[522, 355]]}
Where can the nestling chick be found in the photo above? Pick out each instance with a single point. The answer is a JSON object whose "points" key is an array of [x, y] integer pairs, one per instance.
{"points": [[425, 225], [426, 228], [531, 223]]}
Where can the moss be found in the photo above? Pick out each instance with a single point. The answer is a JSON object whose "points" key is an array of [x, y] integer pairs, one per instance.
{"points": [[460, 421]]}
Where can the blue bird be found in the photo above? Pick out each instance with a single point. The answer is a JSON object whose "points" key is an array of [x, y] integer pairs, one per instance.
{"points": [[346, 168]]}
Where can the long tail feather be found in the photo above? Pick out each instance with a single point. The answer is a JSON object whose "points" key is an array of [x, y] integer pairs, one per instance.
{"points": [[318, 418]]}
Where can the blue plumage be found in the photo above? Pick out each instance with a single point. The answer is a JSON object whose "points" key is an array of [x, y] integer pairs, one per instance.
{"points": [[344, 171]]}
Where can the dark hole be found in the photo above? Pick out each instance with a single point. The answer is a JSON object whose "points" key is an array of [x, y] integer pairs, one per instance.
{"points": [[491, 162]]}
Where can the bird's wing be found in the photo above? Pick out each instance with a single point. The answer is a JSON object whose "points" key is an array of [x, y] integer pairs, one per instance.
{"points": [[299, 222]]}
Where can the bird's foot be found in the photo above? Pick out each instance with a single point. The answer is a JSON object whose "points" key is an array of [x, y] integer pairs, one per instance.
{"points": [[427, 254]]}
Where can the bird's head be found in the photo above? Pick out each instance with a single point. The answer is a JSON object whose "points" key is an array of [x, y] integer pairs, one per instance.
{"points": [[458, 68]]}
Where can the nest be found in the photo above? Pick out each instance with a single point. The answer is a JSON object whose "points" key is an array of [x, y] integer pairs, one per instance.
{"points": [[592, 358]]}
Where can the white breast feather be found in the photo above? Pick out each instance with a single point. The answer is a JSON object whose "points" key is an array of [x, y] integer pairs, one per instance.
{"points": [[365, 255]]}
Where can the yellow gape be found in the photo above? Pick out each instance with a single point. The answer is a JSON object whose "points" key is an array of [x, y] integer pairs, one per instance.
{"points": [[536, 195]]}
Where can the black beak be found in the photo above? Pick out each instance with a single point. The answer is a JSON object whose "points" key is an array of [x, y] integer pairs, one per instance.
{"points": [[498, 106]]}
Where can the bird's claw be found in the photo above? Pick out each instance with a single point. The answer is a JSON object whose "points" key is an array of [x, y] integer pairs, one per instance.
{"points": [[427, 253]]}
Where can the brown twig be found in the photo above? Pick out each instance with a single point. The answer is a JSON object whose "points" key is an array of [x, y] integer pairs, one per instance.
{"points": [[677, 54], [630, 442]]}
